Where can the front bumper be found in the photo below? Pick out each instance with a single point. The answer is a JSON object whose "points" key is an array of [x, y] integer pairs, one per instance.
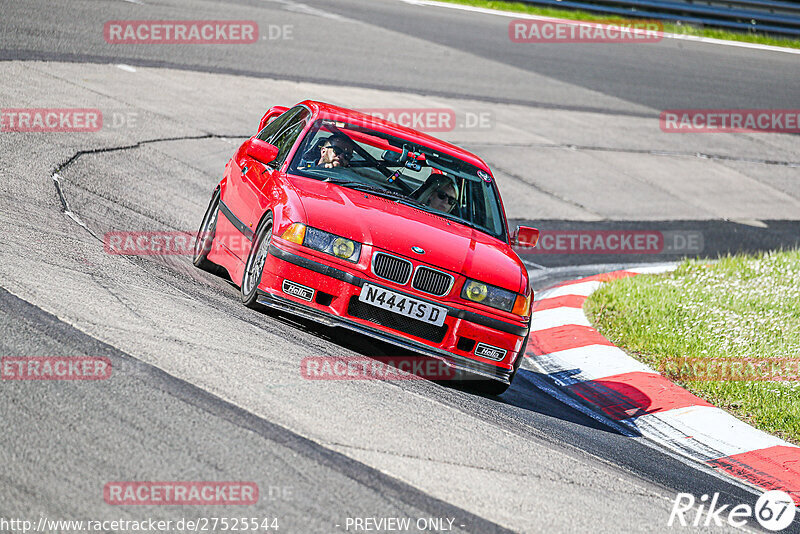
{"points": [[341, 289]]}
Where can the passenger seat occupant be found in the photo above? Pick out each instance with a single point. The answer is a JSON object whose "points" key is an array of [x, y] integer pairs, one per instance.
{"points": [[440, 192]]}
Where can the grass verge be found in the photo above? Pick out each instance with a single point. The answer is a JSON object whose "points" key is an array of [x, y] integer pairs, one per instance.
{"points": [[669, 27], [741, 308]]}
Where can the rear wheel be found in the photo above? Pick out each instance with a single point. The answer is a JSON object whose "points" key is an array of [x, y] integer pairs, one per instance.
{"points": [[254, 267], [205, 237]]}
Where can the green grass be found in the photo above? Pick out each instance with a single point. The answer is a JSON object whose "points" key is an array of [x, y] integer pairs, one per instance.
{"points": [[738, 307], [685, 29]]}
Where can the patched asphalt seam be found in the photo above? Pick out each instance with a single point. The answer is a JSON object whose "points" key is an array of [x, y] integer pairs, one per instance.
{"points": [[56, 174]]}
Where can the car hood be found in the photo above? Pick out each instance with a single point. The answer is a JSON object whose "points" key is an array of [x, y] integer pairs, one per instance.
{"points": [[396, 228]]}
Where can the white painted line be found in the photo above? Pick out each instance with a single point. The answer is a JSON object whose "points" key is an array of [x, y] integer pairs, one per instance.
{"points": [[583, 289], [126, 68], [695, 38], [719, 431], [297, 7], [593, 362], [751, 222], [558, 317], [534, 265]]}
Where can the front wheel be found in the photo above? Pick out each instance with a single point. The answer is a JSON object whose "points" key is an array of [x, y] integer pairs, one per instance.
{"points": [[205, 237], [254, 267], [495, 387], [489, 387]]}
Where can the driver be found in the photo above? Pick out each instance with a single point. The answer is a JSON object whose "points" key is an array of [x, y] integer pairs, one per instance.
{"points": [[439, 192], [336, 151]]}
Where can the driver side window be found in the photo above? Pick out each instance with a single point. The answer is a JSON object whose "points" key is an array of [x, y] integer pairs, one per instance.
{"points": [[284, 130]]}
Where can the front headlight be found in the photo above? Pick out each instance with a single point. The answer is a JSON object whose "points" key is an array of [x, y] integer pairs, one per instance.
{"points": [[489, 295], [341, 247]]}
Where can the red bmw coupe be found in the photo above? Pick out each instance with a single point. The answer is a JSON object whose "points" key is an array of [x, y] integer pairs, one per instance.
{"points": [[360, 223]]}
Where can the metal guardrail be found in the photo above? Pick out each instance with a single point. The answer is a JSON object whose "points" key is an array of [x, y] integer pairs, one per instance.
{"points": [[762, 16]]}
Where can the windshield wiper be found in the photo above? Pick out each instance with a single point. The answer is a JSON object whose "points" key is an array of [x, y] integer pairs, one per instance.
{"points": [[354, 184], [342, 181], [399, 197], [465, 222]]}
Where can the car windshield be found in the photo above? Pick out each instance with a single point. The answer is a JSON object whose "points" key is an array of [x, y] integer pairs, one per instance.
{"points": [[362, 158]]}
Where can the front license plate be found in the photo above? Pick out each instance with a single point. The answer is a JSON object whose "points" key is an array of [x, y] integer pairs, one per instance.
{"points": [[403, 305]]}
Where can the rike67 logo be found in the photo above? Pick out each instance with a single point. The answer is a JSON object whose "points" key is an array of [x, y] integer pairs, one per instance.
{"points": [[774, 510]]}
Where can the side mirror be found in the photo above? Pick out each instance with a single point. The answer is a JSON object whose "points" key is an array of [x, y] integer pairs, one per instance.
{"points": [[525, 237], [261, 150]]}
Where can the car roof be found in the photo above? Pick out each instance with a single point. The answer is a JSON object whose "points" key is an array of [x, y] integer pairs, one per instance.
{"points": [[329, 111]]}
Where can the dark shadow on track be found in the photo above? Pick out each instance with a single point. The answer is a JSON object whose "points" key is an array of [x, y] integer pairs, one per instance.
{"points": [[523, 393]]}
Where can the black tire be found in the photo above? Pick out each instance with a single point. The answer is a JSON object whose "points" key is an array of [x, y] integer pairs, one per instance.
{"points": [[205, 238], [489, 386], [494, 387], [254, 267]]}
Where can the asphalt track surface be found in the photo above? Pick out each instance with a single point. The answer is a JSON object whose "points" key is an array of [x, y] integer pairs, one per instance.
{"points": [[204, 389]]}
